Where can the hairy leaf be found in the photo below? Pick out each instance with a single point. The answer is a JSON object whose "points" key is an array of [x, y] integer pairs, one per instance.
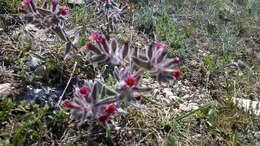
{"points": [[98, 58], [45, 4], [142, 63], [113, 45], [107, 100], [105, 46], [161, 54], [60, 32], [150, 51], [140, 89], [74, 31], [125, 49], [68, 48], [44, 12]]}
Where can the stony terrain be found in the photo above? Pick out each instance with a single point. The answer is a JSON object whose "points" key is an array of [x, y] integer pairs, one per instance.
{"points": [[214, 102]]}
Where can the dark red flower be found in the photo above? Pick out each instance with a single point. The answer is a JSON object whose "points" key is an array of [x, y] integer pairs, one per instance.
{"points": [[130, 81], [97, 37], [176, 73], [84, 91], [89, 46], [110, 108], [63, 10], [103, 117], [67, 104], [138, 97]]}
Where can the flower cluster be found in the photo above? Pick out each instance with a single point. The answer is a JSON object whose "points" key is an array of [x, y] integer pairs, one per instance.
{"points": [[96, 102], [107, 50], [88, 106]]}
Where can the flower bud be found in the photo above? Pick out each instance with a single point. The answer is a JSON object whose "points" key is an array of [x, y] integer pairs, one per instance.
{"points": [[176, 73], [138, 97], [89, 46], [54, 2], [176, 60], [97, 37], [26, 2], [110, 108], [158, 45], [84, 91], [67, 104], [103, 117], [63, 10]]}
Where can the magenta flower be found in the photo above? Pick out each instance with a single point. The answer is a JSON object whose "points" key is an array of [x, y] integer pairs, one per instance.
{"points": [[26, 2], [130, 81], [110, 108], [63, 10], [176, 73], [158, 45], [97, 37], [176, 60], [54, 2], [84, 91]]}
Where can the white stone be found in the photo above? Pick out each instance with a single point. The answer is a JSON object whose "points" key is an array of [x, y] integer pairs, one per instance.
{"points": [[248, 105], [155, 91], [76, 2], [185, 96], [189, 107], [5, 89], [174, 97]]}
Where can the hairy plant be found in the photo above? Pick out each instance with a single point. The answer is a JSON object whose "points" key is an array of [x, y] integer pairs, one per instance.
{"points": [[51, 18], [111, 10], [92, 101]]}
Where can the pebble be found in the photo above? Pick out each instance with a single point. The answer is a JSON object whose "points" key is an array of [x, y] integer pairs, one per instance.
{"points": [[78, 2], [174, 97], [5, 89], [189, 107]]}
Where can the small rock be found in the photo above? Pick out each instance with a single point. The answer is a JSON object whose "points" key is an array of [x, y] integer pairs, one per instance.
{"points": [[174, 97], [185, 96], [77, 2], [189, 107], [167, 92], [5, 89], [156, 91], [248, 105]]}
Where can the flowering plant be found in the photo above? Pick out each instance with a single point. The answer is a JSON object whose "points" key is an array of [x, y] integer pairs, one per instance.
{"points": [[51, 18], [95, 101], [111, 10]]}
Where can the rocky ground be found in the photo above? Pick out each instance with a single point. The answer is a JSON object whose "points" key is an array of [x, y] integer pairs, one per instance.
{"points": [[215, 101]]}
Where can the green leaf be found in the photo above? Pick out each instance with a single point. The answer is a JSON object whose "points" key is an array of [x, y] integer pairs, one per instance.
{"points": [[172, 141]]}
